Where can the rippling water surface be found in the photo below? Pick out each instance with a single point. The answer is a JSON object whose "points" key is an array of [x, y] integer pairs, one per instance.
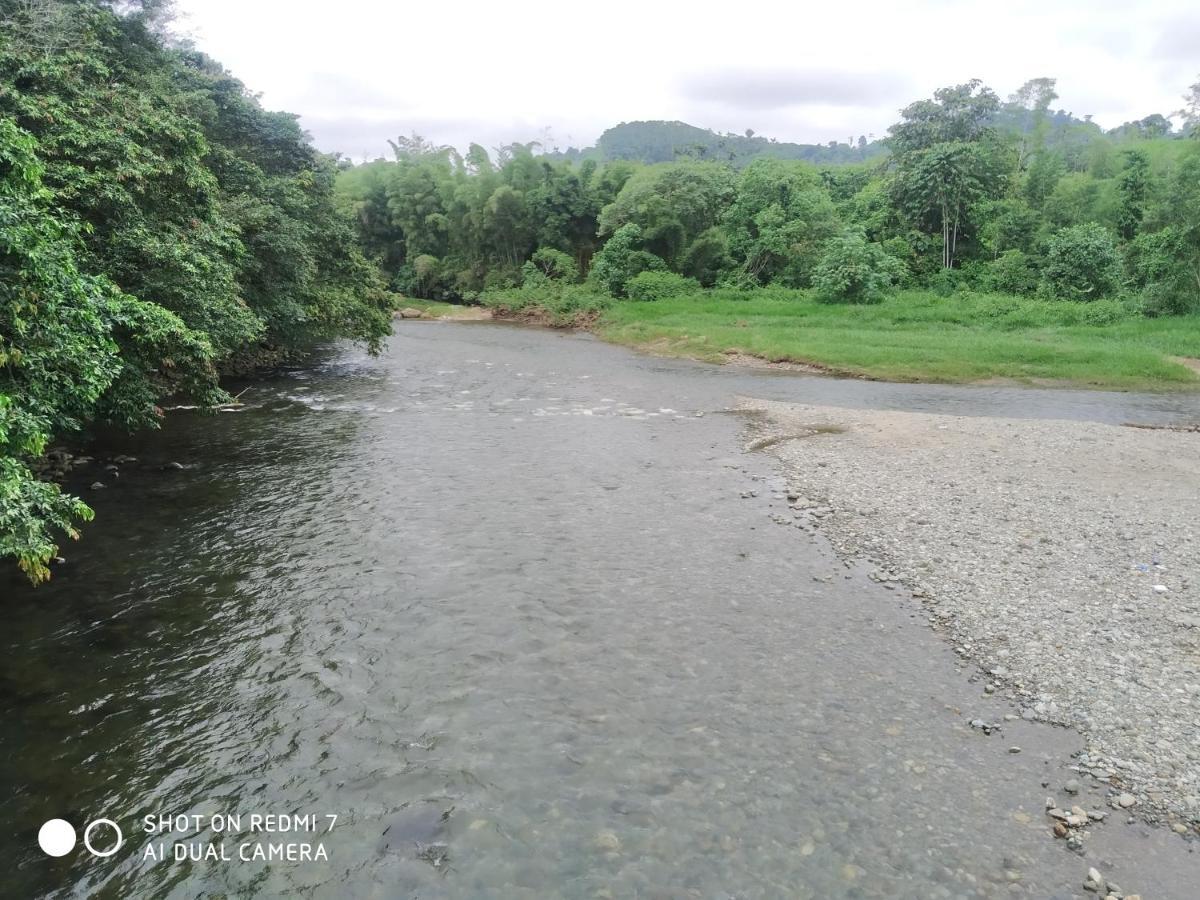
{"points": [[495, 600]]}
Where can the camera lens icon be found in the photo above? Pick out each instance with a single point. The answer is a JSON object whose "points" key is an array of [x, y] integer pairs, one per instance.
{"points": [[57, 837]]}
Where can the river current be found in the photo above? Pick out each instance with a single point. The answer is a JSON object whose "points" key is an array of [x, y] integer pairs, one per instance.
{"points": [[509, 604]]}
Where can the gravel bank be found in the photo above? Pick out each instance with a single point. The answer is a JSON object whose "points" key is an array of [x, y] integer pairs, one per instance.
{"points": [[1062, 557]]}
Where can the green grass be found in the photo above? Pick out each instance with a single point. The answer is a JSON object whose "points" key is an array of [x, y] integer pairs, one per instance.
{"points": [[918, 336]]}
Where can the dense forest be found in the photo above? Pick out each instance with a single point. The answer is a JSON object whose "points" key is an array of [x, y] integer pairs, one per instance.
{"points": [[966, 192], [156, 226]]}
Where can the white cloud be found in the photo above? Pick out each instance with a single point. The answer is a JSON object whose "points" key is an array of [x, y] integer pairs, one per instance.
{"points": [[359, 72]]}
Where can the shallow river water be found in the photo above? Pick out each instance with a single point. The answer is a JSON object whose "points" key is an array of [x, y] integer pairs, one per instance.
{"points": [[496, 601]]}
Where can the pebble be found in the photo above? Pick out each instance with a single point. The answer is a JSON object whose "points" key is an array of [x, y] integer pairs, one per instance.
{"points": [[1082, 649], [1094, 881], [607, 841], [1126, 800]]}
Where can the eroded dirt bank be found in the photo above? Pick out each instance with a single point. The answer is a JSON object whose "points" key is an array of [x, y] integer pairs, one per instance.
{"points": [[1061, 556]]}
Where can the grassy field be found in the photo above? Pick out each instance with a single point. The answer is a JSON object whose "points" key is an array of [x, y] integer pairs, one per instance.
{"points": [[918, 336]]}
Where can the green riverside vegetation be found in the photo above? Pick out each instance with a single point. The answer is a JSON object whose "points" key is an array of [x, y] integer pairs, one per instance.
{"points": [[920, 336], [159, 228], [156, 226], [981, 239]]}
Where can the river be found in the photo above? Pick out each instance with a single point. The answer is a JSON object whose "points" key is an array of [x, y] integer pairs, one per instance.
{"points": [[509, 604]]}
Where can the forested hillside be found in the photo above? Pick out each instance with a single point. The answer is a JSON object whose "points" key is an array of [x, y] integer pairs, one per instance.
{"points": [[155, 224], [651, 142], [974, 193]]}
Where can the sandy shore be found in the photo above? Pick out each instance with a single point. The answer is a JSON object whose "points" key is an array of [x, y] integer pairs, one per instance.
{"points": [[1062, 557]]}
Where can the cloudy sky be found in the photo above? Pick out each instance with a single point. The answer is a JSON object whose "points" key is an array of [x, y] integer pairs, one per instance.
{"points": [[359, 71]]}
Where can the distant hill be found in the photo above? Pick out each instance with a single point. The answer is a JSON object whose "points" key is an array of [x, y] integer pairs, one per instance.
{"points": [[652, 142], [660, 141]]}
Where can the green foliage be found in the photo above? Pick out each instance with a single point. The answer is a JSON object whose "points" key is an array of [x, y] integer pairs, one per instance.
{"points": [[1011, 272], [779, 221], [547, 262], [561, 303], [970, 197], [660, 286], [72, 348], [854, 270], [1132, 187], [621, 258], [56, 355], [1164, 270], [125, 161], [671, 205], [657, 141], [1082, 263], [916, 335]]}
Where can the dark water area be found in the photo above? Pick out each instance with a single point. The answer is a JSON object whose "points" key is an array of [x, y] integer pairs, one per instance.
{"points": [[495, 600]]}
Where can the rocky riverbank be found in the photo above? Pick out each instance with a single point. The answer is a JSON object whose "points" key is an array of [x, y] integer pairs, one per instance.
{"points": [[1061, 557]]}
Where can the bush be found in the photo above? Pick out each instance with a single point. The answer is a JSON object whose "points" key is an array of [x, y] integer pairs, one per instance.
{"points": [[853, 270], [1012, 272], [551, 264], [947, 282], [1008, 312], [1082, 263], [1161, 268], [621, 258], [660, 286], [562, 302]]}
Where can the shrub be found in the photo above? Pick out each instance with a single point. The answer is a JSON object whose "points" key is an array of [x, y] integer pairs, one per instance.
{"points": [[1082, 263], [947, 282], [1161, 268], [562, 302], [1012, 272], [621, 258], [660, 286], [547, 262], [853, 270]]}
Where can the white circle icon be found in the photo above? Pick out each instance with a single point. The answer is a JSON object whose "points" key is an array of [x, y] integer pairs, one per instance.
{"points": [[87, 837], [56, 837]]}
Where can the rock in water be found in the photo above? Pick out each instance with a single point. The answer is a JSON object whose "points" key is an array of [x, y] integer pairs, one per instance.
{"points": [[1094, 882]]}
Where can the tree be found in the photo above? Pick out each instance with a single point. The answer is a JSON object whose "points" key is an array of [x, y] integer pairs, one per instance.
{"points": [[853, 270], [129, 161], [671, 205], [1191, 110], [781, 217], [960, 114], [945, 181], [1032, 101], [1082, 263], [1132, 187], [947, 159], [621, 258], [72, 348]]}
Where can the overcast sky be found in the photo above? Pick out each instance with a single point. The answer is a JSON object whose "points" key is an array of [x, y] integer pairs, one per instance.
{"points": [[359, 72]]}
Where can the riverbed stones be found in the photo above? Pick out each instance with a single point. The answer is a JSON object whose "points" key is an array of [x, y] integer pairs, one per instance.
{"points": [[1039, 558], [1094, 882]]}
